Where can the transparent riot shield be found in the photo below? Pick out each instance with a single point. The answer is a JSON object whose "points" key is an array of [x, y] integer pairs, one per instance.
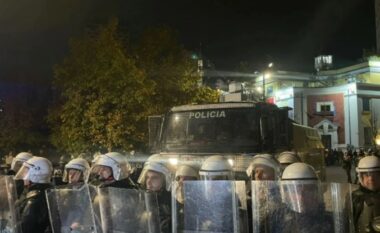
{"points": [[209, 207], [70, 209], [128, 211], [300, 207], [9, 221]]}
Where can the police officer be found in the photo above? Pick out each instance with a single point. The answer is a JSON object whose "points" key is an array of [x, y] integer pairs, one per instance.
{"points": [[183, 173], [36, 173], [301, 192], [111, 170], [157, 177], [217, 172], [264, 167], [366, 200], [15, 167], [76, 172], [286, 158]]}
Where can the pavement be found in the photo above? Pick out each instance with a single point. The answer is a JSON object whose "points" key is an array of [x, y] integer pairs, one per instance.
{"points": [[338, 174]]}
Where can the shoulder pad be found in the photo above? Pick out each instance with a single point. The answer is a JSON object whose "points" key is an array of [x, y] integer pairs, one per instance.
{"points": [[32, 193]]}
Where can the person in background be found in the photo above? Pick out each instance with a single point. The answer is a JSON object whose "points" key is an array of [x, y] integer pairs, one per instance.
{"points": [[36, 174], [346, 165], [366, 199]]}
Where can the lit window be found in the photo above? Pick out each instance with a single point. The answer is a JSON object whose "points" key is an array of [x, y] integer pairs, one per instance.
{"points": [[325, 107]]}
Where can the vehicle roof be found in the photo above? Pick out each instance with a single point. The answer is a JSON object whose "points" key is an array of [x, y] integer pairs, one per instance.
{"points": [[191, 107]]}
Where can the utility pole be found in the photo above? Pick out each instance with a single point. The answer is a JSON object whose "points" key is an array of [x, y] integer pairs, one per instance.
{"points": [[377, 21]]}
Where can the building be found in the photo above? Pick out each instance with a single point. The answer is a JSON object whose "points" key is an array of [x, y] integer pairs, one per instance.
{"points": [[342, 104]]}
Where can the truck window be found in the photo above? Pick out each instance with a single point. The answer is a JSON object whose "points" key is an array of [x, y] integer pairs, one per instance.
{"points": [[210, 131]]}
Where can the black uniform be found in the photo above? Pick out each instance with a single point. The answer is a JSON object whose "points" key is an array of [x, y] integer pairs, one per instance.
{"points": [[165, 211], [366, 209], [33, 209]]}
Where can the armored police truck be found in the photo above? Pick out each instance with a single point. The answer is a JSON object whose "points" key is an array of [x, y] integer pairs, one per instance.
{"points": [[237, 130]]}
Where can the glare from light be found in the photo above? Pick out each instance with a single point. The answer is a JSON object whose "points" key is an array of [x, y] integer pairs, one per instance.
{"points": [[173, 161], [259, 89], [270, 65], [377, 140], [231, 162], [268, 75], [176, 118]]}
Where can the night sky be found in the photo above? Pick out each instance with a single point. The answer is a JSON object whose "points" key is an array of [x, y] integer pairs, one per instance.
{"points": [[34, 34]]}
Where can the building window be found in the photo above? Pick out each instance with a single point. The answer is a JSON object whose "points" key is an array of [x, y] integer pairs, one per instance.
{"points": [[367, 136], [366, 104], [325, 107]]}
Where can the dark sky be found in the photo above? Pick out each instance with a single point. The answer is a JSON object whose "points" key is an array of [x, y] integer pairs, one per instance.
{"points": [[34, 34]]}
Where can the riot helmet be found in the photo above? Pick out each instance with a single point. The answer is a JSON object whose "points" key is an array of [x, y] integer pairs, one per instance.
{"points": [[216, 167], [299, 171], [76, 170], [19, 160], [264, 167], [109, 167], [184, 172], [368, 170], [155, 176], [288, 157], [300, 188], [36, 170]]}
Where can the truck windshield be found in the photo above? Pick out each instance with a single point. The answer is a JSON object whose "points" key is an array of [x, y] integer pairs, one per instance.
{"points": [[212, 131]]}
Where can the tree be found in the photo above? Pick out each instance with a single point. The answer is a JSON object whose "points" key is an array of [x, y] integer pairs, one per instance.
{"points": [[109, 86], [103, 95], [172, 69]]}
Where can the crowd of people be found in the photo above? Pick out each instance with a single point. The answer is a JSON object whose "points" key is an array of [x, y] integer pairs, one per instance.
{"points": [[280, 194]]}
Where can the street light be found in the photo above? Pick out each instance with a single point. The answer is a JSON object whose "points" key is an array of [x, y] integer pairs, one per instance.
{"points": [[270, 65]]}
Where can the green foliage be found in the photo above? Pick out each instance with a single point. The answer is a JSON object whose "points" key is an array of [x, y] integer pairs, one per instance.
{"points": [[107, 91]]}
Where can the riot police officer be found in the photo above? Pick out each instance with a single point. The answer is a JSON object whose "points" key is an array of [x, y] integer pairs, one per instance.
{"points": [[264, 167], [366, 200], [69, 203], [301, 192], [76, 171], [111, 170], [15, 167], [286, 158], [157, 177], [36, 173]]}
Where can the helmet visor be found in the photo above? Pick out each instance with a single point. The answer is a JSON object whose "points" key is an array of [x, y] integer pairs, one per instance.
{"points": [[22, 174], [17, 165], [302, 196], [72, 176], [100, 173]]}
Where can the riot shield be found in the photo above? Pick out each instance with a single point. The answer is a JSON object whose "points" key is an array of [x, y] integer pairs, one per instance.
{"points": [[9, 221], [128, 211], [70, 209], [209, 207], [300, 207]]}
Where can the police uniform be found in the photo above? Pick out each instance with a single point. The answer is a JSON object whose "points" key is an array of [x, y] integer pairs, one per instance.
{"points": [[33, 209], [366, 207]]}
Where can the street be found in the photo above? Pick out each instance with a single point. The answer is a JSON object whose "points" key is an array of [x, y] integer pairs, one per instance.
{"points": [[337, 174]]}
